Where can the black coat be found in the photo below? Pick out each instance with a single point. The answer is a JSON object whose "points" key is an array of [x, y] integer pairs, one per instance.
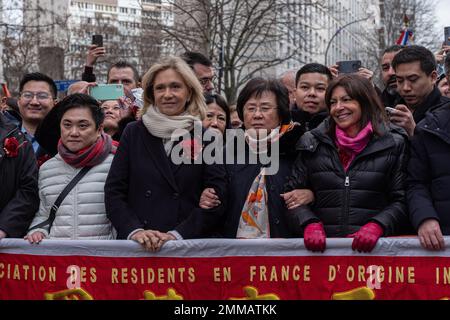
{"points": [[240, 179], [307, 120], [371, 190], [144, 189], [19, 198], [428, 180]]}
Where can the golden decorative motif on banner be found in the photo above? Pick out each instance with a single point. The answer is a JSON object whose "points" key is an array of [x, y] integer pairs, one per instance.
{"points": [[70, 294], [253, 294], [171, 295], [361, 293]]}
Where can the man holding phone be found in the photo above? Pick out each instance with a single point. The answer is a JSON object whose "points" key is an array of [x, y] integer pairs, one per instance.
{"points": [[121, 72], [415, 70]]}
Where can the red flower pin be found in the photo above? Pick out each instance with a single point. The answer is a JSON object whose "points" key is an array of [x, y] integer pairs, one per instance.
{"points": [[191, 148], [12, 146]]}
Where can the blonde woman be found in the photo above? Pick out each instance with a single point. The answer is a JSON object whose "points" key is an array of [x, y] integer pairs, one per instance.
{"points": [[149, 197]]}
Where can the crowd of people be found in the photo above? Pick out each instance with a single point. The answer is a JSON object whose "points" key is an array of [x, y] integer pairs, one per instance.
{"points": [[352, 160]]}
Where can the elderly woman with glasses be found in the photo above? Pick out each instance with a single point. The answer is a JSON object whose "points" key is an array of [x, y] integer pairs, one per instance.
{"points": [[256, 203]]}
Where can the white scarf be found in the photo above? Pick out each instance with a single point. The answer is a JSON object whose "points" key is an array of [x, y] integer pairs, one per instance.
{"points": [[164, 126], [260, 145]]}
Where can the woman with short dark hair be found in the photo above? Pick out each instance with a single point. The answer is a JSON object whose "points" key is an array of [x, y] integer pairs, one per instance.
{"points": [[354, 162], [83, 147]]}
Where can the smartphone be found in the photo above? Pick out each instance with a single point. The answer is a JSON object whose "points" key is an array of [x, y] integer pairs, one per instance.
{"points": [[107, 91], [350, 66], [390, 110], [97, 39], [447, 36]]}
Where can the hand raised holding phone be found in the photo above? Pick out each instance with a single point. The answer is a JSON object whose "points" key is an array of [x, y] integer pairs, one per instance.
{"points": [[96, 50]]}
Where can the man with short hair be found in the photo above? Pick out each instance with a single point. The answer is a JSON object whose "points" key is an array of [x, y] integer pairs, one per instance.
{"points": [[288, 79], [37, 98], [203, 69], [124, 73], [389, 96], [311, 83], [415, 70]]}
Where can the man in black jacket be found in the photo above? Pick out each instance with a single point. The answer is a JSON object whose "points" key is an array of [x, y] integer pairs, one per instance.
{"points": [[429, 178], [415, 70], [19, 199]]}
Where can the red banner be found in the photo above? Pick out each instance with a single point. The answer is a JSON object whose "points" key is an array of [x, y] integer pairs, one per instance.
{"points": [[221, 269]]}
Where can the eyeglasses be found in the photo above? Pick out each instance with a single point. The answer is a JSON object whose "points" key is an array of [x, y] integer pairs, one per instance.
{"points": [[205, 81], [262, 109], [40, 96]]}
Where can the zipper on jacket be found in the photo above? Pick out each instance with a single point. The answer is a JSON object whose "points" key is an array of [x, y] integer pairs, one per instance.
{"points": [[346, 204]]}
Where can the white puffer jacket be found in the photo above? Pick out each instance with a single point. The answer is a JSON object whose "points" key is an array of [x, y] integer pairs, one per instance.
{"points": [[82, 213]]}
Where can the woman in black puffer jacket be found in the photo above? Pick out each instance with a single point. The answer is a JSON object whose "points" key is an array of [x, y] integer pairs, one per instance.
{"points": [[354, 163]]}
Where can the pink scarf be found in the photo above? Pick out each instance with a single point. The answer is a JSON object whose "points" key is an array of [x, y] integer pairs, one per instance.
{"points": [[349, 148]]}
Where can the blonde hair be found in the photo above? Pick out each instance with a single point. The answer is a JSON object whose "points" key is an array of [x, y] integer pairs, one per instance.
{"points": [[196, 105]]}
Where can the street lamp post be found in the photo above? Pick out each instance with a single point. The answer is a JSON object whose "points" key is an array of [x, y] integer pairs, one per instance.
{"points": [[221, 53], [337, 32]]}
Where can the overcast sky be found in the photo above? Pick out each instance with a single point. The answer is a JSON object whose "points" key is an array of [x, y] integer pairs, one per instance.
{"points": [[443, 14]]}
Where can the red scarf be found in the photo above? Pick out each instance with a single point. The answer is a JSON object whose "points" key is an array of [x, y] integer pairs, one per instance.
{"points": [[91, 155], [348, 147]]}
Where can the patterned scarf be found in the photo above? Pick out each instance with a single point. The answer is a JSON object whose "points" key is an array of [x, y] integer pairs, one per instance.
{"points": [[254, 221], [91, 155], [348, 147]]}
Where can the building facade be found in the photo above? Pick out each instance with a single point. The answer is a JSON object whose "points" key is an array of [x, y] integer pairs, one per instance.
{"points": [[327, 31]]}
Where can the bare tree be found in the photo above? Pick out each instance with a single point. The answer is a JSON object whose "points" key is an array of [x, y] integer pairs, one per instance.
{"points": [[21, 39], [422, 21], [242, 37]]}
